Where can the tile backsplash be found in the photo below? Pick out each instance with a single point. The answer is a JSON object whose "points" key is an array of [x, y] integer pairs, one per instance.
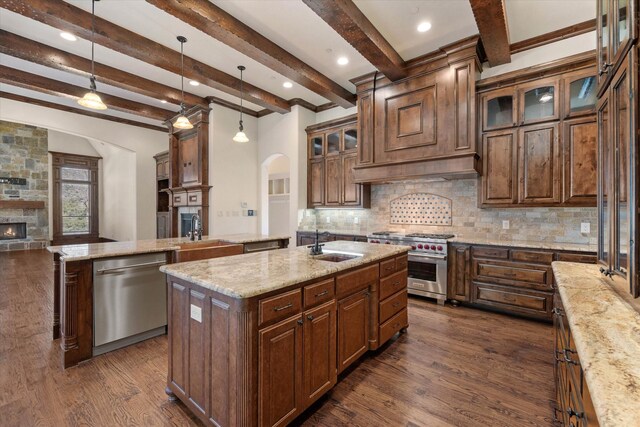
{"points": [[467, 219]]}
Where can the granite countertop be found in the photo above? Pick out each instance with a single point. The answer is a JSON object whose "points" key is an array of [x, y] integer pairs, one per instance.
{"points": [[558, 246], [111, 249], [248, 275], [605, 327]]}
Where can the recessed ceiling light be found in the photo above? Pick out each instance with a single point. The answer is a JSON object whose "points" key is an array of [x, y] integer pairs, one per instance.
{"points": [[424, 27], [194, 83], [288, 85], [343, 60], [164, 101], [68, 36]]}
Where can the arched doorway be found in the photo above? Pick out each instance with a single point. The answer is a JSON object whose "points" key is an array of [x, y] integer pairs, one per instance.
{"points": [[275, 191]]}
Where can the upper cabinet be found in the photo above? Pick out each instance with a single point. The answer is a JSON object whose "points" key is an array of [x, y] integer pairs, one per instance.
{"points": [[539, 140], [425, 124], [333, 150], [617, 30]]}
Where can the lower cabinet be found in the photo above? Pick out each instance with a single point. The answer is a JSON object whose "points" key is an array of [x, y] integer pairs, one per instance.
{"points": [[353, 328], [305, 238], [319, 337], [509, 279]]}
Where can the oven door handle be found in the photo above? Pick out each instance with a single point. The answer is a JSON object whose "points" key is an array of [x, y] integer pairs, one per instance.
{"points": [[427, 257]]}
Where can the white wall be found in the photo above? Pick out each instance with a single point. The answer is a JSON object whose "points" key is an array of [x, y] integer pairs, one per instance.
{"points": [[335, 113], [233, 173], [144, 143]]}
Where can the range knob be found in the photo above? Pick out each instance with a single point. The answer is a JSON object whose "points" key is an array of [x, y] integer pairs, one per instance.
{"points": [[420, 246], [439, 247], [387, 242], [433, 247], [413, 247]]}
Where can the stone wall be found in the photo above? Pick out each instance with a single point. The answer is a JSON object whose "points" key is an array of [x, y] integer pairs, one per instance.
{"points": [[24, 154], [533, 224]]}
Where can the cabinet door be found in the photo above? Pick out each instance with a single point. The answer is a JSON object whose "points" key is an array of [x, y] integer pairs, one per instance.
{"points": [[334, 142], [316, 145], [162, 222], [333, 181], [604, 181], [350, 140], [499, 168], [351, 191], [538, 164], [189, 164], [316, 183], [159, 169], [319, 351], [539, 101], [580, 161], [353, 328], [580, 94], [165, 168], [280, 372], [499, 109], [623, 27], [459, 272], [602, 30]]}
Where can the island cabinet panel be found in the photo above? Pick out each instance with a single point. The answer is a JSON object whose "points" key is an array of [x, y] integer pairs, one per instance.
{"points": [[280, 372], [178, 309], [353, 328], [319, 336], [218, 362], [459, 274], [197, 351]]}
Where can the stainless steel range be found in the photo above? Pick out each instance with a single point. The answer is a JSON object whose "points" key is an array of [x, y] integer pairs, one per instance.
{"points": [[427, 261]]}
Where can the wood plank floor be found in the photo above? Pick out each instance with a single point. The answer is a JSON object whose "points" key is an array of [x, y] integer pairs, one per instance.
{"points": [[455, 367]]}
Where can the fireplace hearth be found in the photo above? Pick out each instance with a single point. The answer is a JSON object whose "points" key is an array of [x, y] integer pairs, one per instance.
{"points": [[13, 231]]}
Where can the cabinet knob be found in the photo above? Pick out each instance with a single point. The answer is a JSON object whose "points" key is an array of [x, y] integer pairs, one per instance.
{"points": [[310, 317], [299, 321]]}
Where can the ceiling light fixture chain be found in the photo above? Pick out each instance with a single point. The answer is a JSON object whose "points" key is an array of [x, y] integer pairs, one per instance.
{"points": [[91, 99], [241, 137], [182, 122]]}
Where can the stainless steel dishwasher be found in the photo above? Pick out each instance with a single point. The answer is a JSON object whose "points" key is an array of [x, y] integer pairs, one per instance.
{"points": [[129, 301]]}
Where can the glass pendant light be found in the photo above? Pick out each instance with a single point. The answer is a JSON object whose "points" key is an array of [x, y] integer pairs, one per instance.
{"points": [[182, 122], [91, 99], [241, 137]]}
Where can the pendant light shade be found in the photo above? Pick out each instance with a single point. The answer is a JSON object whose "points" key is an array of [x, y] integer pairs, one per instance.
{"points": [[91, 99], [182, 122], [241, 137]]}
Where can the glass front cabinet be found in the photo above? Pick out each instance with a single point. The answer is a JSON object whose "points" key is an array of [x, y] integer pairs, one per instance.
{"points": [[618, 176], [617, 29]]}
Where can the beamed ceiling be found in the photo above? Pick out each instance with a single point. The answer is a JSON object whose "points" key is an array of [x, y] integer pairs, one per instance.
{"points": [[138, 61]]}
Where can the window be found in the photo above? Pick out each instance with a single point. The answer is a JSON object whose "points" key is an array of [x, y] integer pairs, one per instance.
{"points": [[75, 198]]}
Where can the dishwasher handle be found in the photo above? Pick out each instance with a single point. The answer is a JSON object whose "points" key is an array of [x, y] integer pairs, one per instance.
{"points": [[127, 267]]}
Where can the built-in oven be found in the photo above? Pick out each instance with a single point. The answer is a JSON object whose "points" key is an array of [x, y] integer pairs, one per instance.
{"points": [[428, 276]]}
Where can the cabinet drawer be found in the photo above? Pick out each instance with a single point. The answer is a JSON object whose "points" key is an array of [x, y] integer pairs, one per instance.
{"points": [[392, 284], [499, 253], [393, 325], [180, 199], [392, 305], [584, 258], [514, 273], [319, 292], [508, 298], [532, 256], [387, 267], [279, 306], [349, 283], [402, 262], [194, 199]]}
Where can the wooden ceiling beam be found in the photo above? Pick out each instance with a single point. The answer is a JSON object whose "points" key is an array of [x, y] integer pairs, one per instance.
{"points": [[214, 21], [349, 21], [23, 79], [554, 36], [38, 53], [231, 105], [42, 103], [64, 16], [491, 18]]}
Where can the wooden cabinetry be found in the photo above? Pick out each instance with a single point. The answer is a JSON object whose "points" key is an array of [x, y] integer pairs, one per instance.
{"points": [[574, 406], [513, 280], [319, 336], [332, 151], [305, 238], [539, 140], [619, 160], [353, 328], [163, 222], [423, 125]]}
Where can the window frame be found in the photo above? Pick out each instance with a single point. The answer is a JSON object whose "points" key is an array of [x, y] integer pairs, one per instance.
{"points": [[76, 161]]}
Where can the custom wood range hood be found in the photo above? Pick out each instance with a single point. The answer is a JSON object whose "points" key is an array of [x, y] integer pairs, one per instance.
{"points": [[423, 125]]}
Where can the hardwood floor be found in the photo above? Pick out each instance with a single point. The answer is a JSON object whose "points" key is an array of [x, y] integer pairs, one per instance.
{"points": [[454, 367]]}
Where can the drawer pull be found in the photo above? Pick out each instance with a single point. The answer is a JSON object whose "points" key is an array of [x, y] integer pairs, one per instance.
{"points": [[567, 358], [396, 304], [396, 284], [300, 322], [389, 268], [573, 413], [321, 294], [284, 307], [310, 317]]}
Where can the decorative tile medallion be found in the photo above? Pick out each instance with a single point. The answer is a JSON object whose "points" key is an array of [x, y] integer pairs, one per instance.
{"points": [[420, 209]]}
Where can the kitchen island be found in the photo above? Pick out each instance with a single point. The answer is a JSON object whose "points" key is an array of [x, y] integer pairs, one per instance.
{"points": [[77, 267], [254, 340]]}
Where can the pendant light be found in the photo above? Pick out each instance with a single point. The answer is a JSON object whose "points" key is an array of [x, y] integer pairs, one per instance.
{"points": [[182, 122], [91, 99], [241, 137]]}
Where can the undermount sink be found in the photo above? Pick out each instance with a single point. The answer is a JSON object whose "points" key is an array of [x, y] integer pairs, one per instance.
{"points": [[335, 256]]}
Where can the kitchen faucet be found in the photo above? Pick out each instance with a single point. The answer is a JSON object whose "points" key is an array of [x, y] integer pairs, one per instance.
{"points": [[195, 221], [316, 248]]}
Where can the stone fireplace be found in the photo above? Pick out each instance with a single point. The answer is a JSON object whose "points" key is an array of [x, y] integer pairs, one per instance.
{"points": [[24, 220]]}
